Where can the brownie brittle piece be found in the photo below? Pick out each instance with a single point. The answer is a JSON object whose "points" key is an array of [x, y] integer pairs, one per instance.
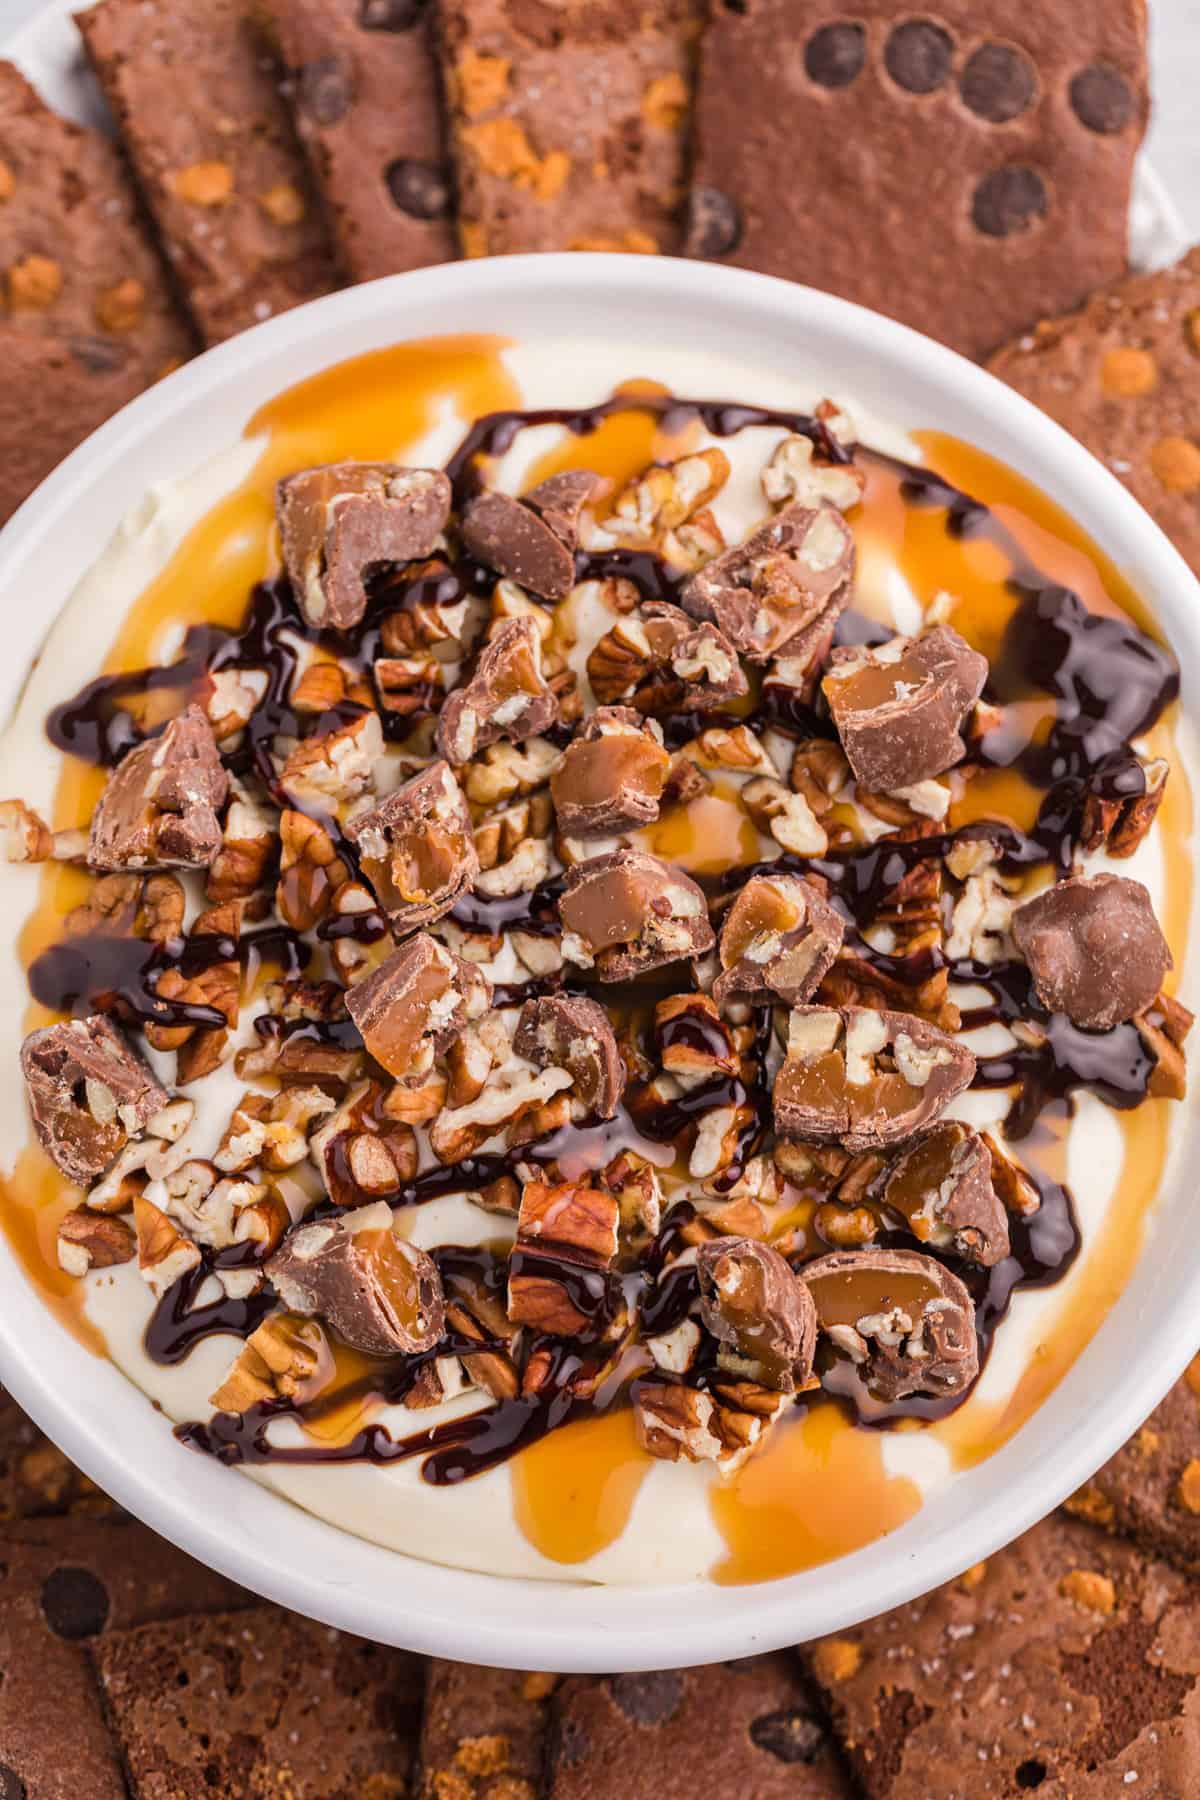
{"points": [[784, 588], [363, 87], [89, 1093], [344, 522], [759, 1311], [564, 1031], [899, 707], [1123, 374], [904, 1321], [779, 939], [568, 124], [964, 173], [612, 774], [159, 808], [1094, 948], [417, 1000], [507, 696], [628, 912], [416, 848], [380, 1293], [864, 1079], [531, 540], [483, 1732], [942, 1188], [225, 182]]}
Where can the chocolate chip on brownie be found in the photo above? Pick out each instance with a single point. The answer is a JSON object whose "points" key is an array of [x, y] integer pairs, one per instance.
{"points": [[199, 111], [1123, 374], [568, 124], [964, 173], [363, 90], [1094, 948]]}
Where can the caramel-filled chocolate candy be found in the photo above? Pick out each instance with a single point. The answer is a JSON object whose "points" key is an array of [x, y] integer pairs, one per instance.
{"points": [[508, 696], [628, 912], [863, 1079], [159, 808], [786, 584], [761, 1313], [416, 848], [612, 775], [903, 1319], [558, 1031], [422, 995], [531, 540], [341, 523], [378, 1292], [941, 1188], [89, 1093], [1094, 948], [779, 939], [899, 706]]}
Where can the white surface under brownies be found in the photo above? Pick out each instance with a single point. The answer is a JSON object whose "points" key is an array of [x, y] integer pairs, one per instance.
{"points": [[670, 1535]]}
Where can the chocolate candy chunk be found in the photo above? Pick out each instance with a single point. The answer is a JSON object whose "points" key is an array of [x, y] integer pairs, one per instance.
{"points": [[903, 1319], [786, 585], [226, 183], [1094, 948], [628, 912], [564, 1032], [941, 1188], [158, 810], [779, 939], [366, 111], [416, 848], [864, 1079], [378, 1292], [531, 540], [569, 124], [558, 1273], [344, 522], [222, 1706], [415, 1002], [483, 1732], [612, 775], [1124, 376], [89, 1093], [714, 224], [658, 660], [1086, 1651], [989, 153], [748, 1728], [508, 696], [761, 1313], [899, 706]]}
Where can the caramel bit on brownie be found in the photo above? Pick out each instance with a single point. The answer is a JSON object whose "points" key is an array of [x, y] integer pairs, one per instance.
{"points": [[628, 912], [507, 696], [1095, 949], [779, 939], [612, 774], [863, 1078], [899, 707], [532, 540], [89, 1093], [416, 848], [159, 808], [784, 588], [344, 523], [378, 1292]]}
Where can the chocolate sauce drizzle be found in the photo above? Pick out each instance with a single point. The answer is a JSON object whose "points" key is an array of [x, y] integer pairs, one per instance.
{"points": [[1109, 683]]}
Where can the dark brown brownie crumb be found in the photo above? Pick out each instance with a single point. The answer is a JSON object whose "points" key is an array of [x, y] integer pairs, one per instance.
{"points": [[1150, 1490]]}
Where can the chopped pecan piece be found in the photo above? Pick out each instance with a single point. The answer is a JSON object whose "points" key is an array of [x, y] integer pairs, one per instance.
{"points": [[902, 1318], [1094, 948], [25, 836], [344, 522], [941, 1187], [416, 848], [287, 1358], [784, 586], [531, 540], [658, 660], [508, 696], [899, 707], [89, 1093], [559, 1278], [327, 772], [560, 1031], [760, 1312], [863, 1079], [1163, 1028], [779, 939], [797, 472], [159, 808], [367, 1148], [377, 1291], [721, 1425], [310, 871], [628, 912], [419, 999], [693, 1042], [612, 775], [271, 1129], [1119, 823], [165, 1255], [93, 1240]]}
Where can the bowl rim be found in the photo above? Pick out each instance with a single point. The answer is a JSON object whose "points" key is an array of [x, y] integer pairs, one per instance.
{"points": [[262, 1540]]}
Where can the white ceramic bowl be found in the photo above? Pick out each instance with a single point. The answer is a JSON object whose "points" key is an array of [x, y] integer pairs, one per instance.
{"points": [[107, 1426]]}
